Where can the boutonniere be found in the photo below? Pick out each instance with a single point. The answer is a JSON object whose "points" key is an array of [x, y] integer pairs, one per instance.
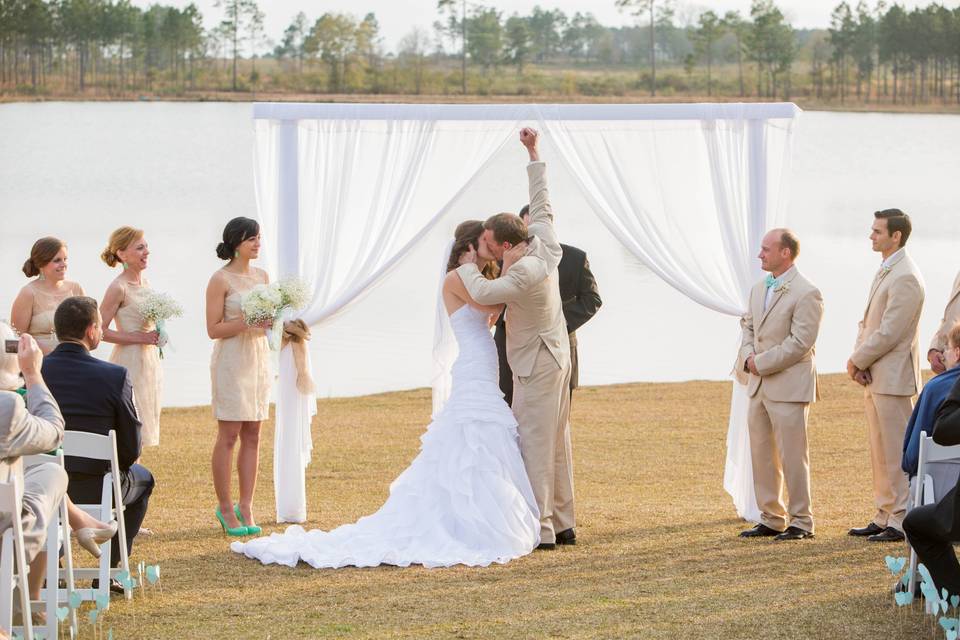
{"points": [[783, 287], [886, 268]]}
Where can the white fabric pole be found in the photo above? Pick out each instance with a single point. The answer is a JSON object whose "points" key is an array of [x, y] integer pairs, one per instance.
{"points": [[292, 447], [685, 188]]}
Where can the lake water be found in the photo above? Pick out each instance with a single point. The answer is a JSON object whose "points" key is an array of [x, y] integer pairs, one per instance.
{"points": [[180, 171]]}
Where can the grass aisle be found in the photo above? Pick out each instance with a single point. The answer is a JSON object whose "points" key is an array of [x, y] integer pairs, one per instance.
{"points": [[659, 555]]}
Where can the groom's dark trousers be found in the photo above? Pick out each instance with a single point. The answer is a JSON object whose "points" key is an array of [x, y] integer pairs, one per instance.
{"points": [[932, 529], [97, 396]]}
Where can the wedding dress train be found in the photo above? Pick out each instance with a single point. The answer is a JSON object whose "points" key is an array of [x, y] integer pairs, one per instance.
{"points": [[465, 498]]}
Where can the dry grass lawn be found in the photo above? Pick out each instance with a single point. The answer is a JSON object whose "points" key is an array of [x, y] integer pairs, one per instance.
{"points": [[658, 555]]}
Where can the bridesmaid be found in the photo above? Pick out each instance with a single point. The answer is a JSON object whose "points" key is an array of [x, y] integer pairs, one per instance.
{"points": [[34, 306], [239, 374], [32, 313], [135, 338]]}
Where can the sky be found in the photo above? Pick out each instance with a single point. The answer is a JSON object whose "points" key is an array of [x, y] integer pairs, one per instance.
{"points": [[398, 17]]}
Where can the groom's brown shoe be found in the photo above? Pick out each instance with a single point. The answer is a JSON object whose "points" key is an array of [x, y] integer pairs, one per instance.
{"points": [[567, 536]]}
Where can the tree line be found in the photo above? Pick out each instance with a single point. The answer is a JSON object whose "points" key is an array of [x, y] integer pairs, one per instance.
{"points": [[869, 52]]}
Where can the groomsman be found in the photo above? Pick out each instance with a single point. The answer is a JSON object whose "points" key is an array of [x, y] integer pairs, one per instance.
{"points": [[581, 301], [779, 334], [950, 316], [886, 361]]}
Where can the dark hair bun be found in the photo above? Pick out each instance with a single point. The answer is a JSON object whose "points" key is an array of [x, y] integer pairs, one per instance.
{"points": [[30, 268], [234, 234], [224, 252]]}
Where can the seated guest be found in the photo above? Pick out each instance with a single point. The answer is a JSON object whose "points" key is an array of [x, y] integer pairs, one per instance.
{"points": [[932, 396], [932, 529], [27, 428], [97, 396]]}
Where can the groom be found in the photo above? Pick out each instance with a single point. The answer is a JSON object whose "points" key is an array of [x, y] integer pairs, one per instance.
{"points": [[538, 348]]}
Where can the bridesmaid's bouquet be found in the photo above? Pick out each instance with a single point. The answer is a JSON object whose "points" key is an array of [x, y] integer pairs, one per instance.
{"points": [[159, 307], [270, 302]]}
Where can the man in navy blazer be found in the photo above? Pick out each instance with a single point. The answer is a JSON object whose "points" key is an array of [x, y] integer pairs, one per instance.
{"points": [[97, 396]]}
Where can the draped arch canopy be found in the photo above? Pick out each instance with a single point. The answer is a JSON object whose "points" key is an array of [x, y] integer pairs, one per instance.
{"points": [[344, 191]]}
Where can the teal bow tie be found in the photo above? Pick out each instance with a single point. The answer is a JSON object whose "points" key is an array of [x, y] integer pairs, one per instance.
{"points": [[771, 281]]}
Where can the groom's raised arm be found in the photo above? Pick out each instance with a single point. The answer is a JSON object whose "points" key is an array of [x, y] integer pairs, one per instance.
{"points": [[541, 212], [511, 286]]}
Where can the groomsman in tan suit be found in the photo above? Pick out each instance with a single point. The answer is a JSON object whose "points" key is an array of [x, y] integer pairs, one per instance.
{"points": [[950, 317], [538, 349], [886, 361], [777, 350]]}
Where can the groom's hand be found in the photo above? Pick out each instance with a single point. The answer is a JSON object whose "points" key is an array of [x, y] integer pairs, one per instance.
{"points": [[529, 138], [469, 256]]}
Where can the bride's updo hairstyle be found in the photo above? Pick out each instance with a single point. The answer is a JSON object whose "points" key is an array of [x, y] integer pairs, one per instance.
{"points": [[236, 231], [119, 240], [468, 233], [43, 252]]}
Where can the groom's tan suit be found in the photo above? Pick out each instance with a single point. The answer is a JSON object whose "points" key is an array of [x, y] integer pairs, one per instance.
{"points": [[888, 346], [538, 351], [780, 330]]}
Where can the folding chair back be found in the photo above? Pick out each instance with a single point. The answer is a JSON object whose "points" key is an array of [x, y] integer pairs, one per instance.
{"points": [[930, 453], [58, 539], [81, 444], [12, 551]]}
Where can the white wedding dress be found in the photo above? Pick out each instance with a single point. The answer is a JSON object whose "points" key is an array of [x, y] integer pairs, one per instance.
{"points": [[465, 498]]}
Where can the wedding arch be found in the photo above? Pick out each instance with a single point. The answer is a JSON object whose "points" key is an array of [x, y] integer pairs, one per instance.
{"points": [[345, 191]]}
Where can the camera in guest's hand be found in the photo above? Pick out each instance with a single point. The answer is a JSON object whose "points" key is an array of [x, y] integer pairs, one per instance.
{"points": [[11, 346]]}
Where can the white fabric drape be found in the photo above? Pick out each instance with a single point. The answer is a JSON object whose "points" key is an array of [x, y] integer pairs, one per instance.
{"points": [[344, 191]]}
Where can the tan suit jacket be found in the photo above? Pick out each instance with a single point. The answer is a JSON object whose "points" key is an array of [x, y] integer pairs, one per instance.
{"points": [[950, 316], [782, 339], [888, 343], [530, 288], [26, 430]]}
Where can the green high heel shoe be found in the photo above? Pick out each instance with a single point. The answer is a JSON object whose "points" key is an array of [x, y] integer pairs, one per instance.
{"points": [[235, 531], [251, 529]]}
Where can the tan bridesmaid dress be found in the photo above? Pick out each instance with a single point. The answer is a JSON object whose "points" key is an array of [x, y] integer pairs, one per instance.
{"points": [[45, 303], [142, 361], [240, 366]]}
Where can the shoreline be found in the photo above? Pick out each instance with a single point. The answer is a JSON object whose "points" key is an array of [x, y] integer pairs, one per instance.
{"points": [[229, 96]]}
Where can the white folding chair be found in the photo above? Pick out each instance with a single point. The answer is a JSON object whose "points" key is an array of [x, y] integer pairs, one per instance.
{"points": [[930, 452], [11, 495], [81, 444], [58, 537]]}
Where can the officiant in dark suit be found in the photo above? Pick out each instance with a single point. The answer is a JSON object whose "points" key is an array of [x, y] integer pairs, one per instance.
{"points": [[932, 529], [581, 300]]}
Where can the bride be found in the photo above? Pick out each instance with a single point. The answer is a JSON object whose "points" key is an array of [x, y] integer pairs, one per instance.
{"points": [[465, 498]]}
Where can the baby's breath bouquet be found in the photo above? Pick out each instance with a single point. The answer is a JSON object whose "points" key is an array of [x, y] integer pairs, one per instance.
{"points": [[159, 307], [270, 302]]}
